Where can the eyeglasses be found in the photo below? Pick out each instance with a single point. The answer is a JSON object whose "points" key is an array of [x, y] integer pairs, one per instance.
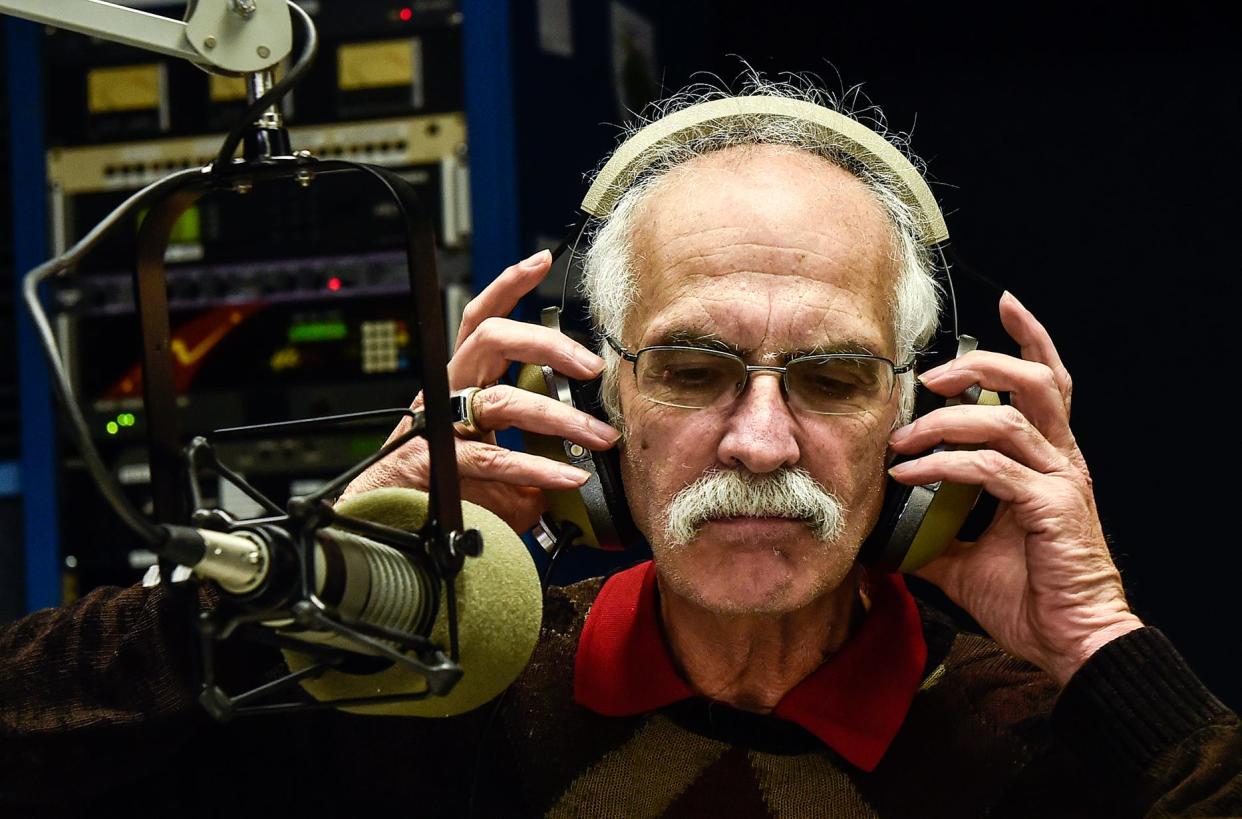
{"points": [[698, 378]]}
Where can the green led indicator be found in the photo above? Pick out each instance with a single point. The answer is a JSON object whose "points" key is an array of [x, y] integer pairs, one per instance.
{"points": [[363, 446], [318, 331], [125, 419], [112, 428], [187, 229]]}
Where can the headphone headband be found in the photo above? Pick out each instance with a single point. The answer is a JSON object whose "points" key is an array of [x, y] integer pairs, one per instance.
{"points": [[855, 139]]}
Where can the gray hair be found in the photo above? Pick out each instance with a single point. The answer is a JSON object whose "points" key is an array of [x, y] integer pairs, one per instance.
{"points": [[608, 280]]}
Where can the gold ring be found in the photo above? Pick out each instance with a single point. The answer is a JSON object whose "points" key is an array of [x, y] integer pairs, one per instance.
{"points": [[464, 421]]}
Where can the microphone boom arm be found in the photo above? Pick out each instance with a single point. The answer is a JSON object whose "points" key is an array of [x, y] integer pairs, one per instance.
{"points": [[221, 36]]}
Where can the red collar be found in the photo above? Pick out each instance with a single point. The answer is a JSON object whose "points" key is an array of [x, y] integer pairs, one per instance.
{"points": [[855, 702]]}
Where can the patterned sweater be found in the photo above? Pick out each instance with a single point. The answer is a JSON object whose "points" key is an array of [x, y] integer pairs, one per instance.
{"points": [[97, 715]]}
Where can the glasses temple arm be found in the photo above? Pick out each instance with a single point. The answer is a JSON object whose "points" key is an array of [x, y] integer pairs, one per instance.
{"points": [[618, 349]]}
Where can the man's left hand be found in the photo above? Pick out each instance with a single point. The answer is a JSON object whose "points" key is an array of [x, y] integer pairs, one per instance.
{"points": [[1040, 580]]}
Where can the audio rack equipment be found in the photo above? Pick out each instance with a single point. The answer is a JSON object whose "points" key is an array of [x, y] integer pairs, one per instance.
{"points": [[280, 305]]}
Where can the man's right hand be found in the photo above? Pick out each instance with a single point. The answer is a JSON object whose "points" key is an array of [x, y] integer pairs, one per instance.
{"points": [[508, 483]]}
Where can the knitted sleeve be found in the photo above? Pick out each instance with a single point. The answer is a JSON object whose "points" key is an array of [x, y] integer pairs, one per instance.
{"points": [[111, 658], [98, 714], [1138, 705], [92, 692]]}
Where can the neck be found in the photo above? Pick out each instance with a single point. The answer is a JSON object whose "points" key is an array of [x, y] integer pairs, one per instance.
{"points": [[750, 661]]}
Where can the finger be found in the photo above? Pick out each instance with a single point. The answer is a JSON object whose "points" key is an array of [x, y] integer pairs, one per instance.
{"points": [[502, 407], [1003, 429], [518, 506], [1004, 478], [1035, 342], [497, 342], [502, 295], [1031, 385], [943, 572], [476, 460], [483, 461]]}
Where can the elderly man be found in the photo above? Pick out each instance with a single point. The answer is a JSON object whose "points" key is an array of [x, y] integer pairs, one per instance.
{"points": [[755, 668], [755, 239]]}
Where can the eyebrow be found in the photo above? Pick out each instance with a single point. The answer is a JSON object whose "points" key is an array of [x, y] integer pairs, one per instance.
{"points": [[847, 346], [696, 338]]}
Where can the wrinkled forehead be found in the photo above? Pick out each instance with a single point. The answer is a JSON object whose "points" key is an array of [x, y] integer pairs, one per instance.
{"points": [[770, 229]]}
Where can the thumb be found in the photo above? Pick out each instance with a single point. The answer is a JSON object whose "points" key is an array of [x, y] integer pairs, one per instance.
{"points": [[945, 571], [935, 573]]}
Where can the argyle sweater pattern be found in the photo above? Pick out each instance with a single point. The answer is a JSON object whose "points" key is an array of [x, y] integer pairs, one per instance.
{"points": [[97, 715]]}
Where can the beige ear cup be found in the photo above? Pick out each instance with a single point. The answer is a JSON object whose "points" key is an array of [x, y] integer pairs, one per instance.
{"points": [[947, 510], [563, 505], [855, 139]]}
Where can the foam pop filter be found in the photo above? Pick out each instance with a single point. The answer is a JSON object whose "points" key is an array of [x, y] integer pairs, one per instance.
{"points": [[499, 612]]}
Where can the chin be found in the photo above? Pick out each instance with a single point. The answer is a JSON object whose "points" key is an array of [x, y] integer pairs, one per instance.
{"points": [[755, 576]]}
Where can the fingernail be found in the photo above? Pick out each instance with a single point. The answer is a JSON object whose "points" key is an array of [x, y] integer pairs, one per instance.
{"points": [[535, 261], [573, 474], [899, 470], [933, 373], [604, 431], [901, 434], [590, 360], [1015, 299]]}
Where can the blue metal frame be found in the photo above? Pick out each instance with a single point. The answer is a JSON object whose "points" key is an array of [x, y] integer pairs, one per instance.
{"points": [[24, 73], [488, 71], [10, 479]]}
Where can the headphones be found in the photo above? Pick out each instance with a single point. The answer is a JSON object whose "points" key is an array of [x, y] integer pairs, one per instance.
{"points": [[916, 523]]}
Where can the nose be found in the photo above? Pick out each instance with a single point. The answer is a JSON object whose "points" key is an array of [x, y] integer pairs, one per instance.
{"points": [[759, 433]]}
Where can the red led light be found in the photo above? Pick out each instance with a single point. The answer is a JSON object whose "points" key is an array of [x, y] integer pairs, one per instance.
{"points": [[334, 283], [406, 15]]}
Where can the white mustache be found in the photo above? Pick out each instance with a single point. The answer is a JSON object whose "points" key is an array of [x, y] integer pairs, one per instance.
{"points": [[787, 493]]}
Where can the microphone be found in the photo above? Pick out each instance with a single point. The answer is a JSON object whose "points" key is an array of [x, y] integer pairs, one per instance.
{"points": [[499, 602]]}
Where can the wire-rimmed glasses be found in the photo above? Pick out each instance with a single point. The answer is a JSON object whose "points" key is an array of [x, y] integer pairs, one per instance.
{"points": [[701, 377]]}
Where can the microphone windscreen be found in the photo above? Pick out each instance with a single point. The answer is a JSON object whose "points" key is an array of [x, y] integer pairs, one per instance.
{"points": [[499, 613]]}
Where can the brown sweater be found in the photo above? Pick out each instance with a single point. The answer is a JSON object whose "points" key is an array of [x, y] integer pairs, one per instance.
{"points": [[97, 715]]}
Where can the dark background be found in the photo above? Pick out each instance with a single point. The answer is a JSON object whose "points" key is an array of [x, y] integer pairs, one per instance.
{"points": [[1086, 159]]}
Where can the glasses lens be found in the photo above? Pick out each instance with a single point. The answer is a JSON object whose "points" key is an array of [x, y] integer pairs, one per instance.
{"points": [[685, 377], [839, 385]]}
